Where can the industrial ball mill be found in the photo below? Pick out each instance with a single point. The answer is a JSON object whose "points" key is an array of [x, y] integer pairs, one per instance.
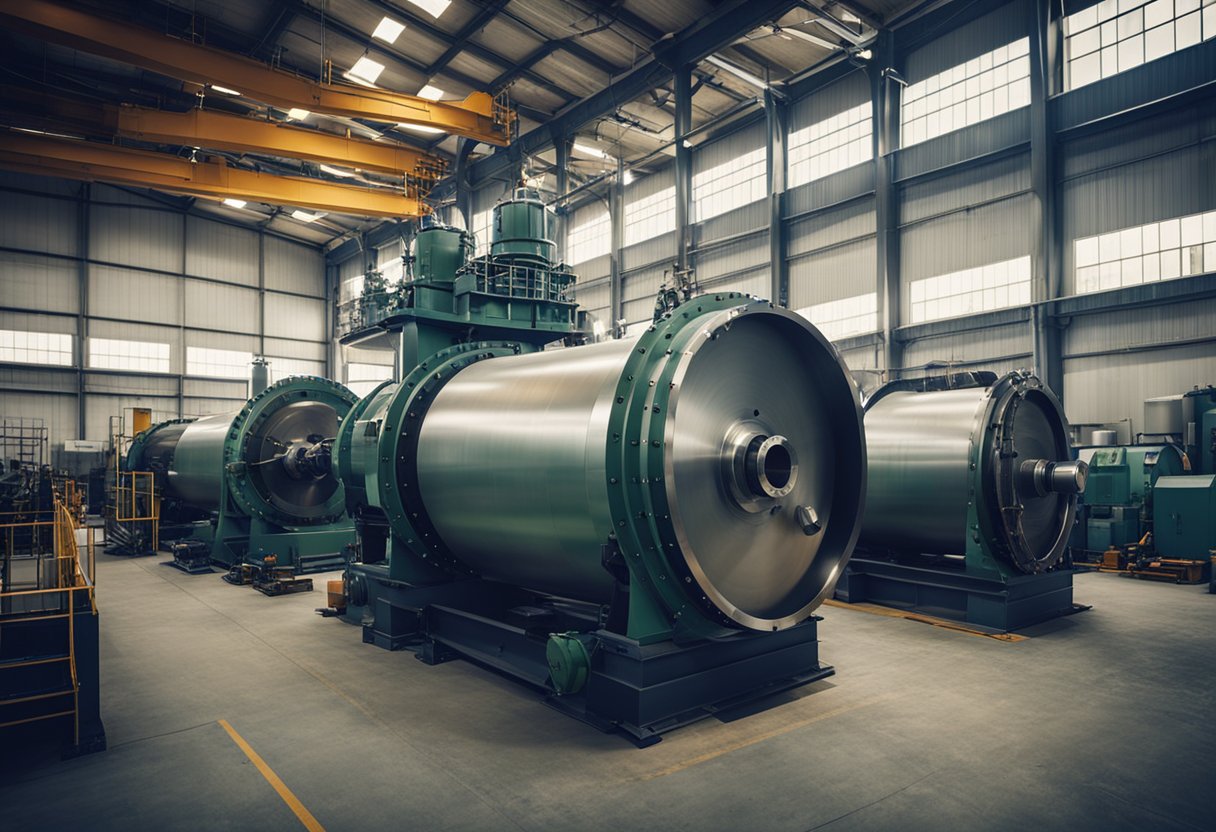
{"points": [[264, 475], [641, 529], [971, 499]]}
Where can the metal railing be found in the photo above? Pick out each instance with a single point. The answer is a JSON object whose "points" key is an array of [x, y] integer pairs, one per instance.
{"points": [[64, 590]]}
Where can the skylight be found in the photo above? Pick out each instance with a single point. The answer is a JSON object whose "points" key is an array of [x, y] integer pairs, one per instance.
{"points": [[388, 30]]}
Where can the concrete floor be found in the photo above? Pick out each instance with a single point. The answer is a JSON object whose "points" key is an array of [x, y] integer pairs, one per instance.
{"points": [[1099, 721]]}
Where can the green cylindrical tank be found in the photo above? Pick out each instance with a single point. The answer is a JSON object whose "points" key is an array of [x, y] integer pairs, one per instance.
{"points": [[1000, 450], [439, 252], [523, 229], [272, 456], [721, 451]]}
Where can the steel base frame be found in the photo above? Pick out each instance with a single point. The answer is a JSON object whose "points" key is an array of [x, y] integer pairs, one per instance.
{"points": [[638, 690], [990, 604]]}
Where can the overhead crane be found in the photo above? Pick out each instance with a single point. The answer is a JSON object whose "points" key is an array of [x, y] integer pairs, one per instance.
{"points": [[479, 116], [209, 177]]}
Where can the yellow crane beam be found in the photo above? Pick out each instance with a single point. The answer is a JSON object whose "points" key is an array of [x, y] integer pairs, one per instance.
{"points": [[214, 130], [95, 162], [479, 116]]}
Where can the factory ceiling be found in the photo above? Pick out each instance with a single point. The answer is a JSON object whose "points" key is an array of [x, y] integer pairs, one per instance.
{"points": [[549, 61]]}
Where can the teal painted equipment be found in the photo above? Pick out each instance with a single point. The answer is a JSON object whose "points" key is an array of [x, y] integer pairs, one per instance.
{"points": [[1199, 425], [1120, 491], [1184, 517], [971, 500], [641, 529], [264, 473]]}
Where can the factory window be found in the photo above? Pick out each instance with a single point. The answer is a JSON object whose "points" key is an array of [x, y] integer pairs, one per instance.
{"points": [[483, 222], [139, 356], [994, 83], [841, 318], [388, 263], [650, 216], [206, 361], [723, 187], [981, 289], [831, 145], [1117, 35], [35, 347], [590, 239], [1179, 247], [362, 379], [281, 368]]}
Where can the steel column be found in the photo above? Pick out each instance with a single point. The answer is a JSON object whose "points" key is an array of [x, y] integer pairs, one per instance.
{"points": [[777, 119], [564, 146], [683, 185], [885, 102], [82, 314], [1045, 232], [616, 218]]}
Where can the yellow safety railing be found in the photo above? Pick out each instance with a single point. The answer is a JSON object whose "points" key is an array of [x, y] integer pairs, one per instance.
{"points": [[136, 501], [56, 596]]}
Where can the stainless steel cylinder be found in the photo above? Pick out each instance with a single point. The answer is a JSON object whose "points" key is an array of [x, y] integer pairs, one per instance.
{"points": [[761, 465], [998, 452]]}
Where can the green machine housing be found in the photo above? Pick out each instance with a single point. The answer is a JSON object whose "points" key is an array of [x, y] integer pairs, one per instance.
{"points": [[1184, 517], [526, 509], [1119, 492], [1199, 428], [263, 474], [971, 500]]}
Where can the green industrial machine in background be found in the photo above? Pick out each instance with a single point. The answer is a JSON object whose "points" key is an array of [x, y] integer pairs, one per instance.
{"points": [[263, 474], [640, 529], [1119, 495], [1184, 517], [971, 499]]}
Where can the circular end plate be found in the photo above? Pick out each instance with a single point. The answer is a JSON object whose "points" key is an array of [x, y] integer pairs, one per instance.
{"points": [[772, 371], [294, 423]]}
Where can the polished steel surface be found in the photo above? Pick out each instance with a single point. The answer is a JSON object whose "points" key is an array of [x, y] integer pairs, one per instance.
{"points": [[919, 447], [198, 463], [299, 426], [159, 447], [511, 467]]}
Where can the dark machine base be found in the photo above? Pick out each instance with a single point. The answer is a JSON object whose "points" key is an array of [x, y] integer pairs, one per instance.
{"points": [[987, 604], [640, 690], [192, 557]]}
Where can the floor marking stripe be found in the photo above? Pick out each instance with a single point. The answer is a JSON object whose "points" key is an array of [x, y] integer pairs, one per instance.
{"points": [[293, 802], [776, 732], [944, 623]]}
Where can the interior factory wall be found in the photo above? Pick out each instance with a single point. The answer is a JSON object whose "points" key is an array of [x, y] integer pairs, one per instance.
{"points": [[136, 285]]}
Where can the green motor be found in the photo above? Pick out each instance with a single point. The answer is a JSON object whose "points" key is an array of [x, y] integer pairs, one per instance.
{"points": [[523, 229]]}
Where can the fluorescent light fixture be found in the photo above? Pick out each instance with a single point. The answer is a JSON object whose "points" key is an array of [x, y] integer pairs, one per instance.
{"points": [[628, 177], [809, 38], [687, 144], [388, 30], [344, 174], [234, 203], [588, 150], [305, 216], [420, 128], [430, 93], [224, 90], [365, 70], [433, 7], [865, 54], [43, 133], [296, 114], [739, 73]]}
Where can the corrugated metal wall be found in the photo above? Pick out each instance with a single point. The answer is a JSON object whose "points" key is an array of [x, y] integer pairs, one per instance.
{"points": [[152, 274]]}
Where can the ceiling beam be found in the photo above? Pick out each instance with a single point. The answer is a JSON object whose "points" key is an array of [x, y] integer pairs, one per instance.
{"points": [[475, 117], [719, 29], [461, 38], [95, 162]]}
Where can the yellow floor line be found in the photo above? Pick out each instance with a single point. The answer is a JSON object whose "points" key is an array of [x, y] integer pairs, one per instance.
{"points": [[767, 735], [944, 623], [293, 802]]}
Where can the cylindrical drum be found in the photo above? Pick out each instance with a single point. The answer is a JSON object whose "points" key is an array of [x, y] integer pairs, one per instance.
{"points": [[721, 453], [1001, 449], [523, 229], [439, 252], [1105, 438], [273, 455]]}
